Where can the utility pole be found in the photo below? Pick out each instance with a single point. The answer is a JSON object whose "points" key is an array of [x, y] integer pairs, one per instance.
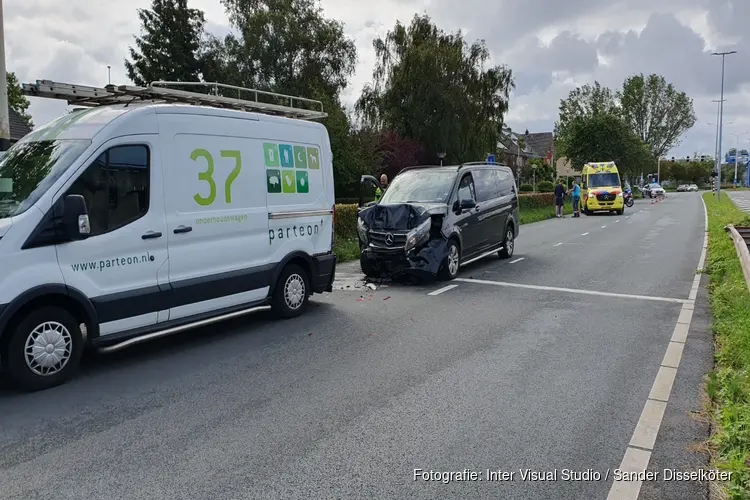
{"points": [[658, 170], [4, 118], [716, 145], [109, 74], [721, 117]]}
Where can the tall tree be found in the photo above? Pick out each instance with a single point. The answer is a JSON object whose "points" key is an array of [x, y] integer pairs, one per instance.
{"points": [[16, 100], [586, 101], [432, 86], [606, 137], [656, 111], [169, 44]]}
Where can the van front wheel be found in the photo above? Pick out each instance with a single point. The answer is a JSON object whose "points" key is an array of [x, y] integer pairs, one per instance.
{"points": [[291, 292], [44, 350]]}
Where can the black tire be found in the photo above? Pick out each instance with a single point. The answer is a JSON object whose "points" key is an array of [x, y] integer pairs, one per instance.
{"points": [[294, 280], [509, 243], [64, 339], [620, 212], [447, 271]]}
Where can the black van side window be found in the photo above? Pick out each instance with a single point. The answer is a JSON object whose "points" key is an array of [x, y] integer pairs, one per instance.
{"points": [[486, 184], [115, 187], [466, 189]]}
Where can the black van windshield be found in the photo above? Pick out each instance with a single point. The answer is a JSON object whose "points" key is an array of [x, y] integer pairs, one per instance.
{"points": [[420, 186], [29, 168], [603, 180]]}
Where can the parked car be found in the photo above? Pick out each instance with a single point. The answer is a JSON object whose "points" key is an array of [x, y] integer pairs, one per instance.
{"points": [[140, 221], [653, 190], [692, 187], [433, 220], [682, 188]]}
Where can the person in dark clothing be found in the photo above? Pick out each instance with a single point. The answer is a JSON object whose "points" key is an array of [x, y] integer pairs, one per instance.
{"points": [[559, 196]]}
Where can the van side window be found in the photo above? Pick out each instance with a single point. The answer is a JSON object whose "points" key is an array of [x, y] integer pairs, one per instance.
{"points": [[505, 182], [486, 184], [466, 189], [115, 187]]}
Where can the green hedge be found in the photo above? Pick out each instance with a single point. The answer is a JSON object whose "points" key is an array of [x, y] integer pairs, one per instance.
{"points": [[536, 200], [526, 188], [545, 187]]}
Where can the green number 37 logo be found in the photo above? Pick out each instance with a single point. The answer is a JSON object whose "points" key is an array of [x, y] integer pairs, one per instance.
{"points": [[208, 175]]}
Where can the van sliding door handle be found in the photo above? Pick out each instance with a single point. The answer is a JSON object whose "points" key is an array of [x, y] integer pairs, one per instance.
{"points": [[151, 235], [183, 229]]}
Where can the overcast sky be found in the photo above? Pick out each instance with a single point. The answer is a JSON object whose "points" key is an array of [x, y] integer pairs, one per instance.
{"points": [[552, 46]]}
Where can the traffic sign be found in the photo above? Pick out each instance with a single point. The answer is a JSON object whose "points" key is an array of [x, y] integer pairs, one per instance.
{"points": [[491, 159]]}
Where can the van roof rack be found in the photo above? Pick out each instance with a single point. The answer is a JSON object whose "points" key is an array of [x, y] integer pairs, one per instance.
{"points": [[160, 92]]}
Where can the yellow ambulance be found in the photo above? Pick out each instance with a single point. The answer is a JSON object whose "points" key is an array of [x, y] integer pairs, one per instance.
{"points": [[601, 189]]}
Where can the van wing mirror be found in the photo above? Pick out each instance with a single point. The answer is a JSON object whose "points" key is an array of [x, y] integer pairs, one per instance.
{"points": [[467, 204], [76, 218]]}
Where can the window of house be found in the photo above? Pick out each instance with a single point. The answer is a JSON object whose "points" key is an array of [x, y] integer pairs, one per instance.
{"points": [[115, 187], [486, 185], [466, 189]]}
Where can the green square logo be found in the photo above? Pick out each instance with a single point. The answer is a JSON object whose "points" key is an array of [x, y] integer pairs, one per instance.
{"points": [[273, 181], [271, 154], [313, 158], [302, 182], [300, 157], [288, 182]]}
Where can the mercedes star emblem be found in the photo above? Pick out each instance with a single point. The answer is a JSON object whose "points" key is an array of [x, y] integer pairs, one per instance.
{"points": [[389, 239]]}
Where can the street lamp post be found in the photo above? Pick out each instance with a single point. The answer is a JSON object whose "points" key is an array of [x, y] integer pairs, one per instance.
{"points": [[441, 156], [4, 118], [716, 145], [721, 117]]}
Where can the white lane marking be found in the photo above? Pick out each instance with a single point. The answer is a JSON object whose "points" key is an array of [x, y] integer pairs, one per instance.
{"points": [[441, 290], [517, 260], [646, 430], [603, 227], [584, 234], [635, 461], [557, 244], [572, 290], [618, 220]]}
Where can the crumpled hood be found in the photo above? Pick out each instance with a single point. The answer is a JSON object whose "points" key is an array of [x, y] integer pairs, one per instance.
{"points": [[5, 225], [400, 216]]}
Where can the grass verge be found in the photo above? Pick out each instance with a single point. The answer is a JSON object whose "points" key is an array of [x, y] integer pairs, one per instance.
{"points": [[530, 215], [346, 249], [728, 385]]}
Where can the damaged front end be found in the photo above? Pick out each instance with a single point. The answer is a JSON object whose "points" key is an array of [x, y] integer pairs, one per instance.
{"points": [[403, 240]]}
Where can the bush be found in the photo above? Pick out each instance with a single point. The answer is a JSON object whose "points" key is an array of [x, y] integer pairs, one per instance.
{"points": [[526, 188], [536, 200], [545, 187], [345, 225]]}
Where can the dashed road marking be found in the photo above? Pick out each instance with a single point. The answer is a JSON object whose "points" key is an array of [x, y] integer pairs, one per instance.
{"points": [[603, 227], [584, 234], [441, 290], [557, 244], [618, 220], [517, 260]]}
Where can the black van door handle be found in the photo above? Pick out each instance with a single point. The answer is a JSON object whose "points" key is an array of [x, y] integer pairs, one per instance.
{"points": [[151, 235], [183, 229]]}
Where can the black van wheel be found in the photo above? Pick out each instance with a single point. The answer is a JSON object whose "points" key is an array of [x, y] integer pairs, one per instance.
{"points": [[509, 244], [291, 293], [44, 350], [452, 262]]}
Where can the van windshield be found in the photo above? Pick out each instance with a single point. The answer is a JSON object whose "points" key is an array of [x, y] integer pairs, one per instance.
{"points": [[420, 186], [604, 180], [29, 168]]}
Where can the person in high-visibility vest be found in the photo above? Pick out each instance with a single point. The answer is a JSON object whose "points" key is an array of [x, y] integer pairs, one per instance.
{"points": [[383, 186]]}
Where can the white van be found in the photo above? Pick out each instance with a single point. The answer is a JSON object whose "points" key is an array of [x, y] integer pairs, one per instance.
{"points": [[124, 222]]}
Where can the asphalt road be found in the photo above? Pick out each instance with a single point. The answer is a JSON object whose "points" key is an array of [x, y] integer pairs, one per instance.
{"points": [[348, 400]]}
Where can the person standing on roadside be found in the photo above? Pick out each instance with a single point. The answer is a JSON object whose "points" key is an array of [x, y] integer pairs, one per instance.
{"points": [[576, 191], [559, 197], [383, 186]]}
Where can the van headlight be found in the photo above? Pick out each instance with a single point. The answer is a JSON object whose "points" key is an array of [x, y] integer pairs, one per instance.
{"points": [[418, 235], [362, 231], [619, 195]]}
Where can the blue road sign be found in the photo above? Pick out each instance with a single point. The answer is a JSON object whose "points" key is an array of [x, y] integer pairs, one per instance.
{"points": [[491, 159]]}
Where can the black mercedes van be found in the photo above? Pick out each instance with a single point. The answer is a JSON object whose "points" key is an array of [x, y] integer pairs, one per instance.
{"points": [[432, 220]]}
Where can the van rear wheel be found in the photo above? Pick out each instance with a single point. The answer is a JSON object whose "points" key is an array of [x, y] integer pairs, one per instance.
{"points": [[291, 293], [44, 350]]}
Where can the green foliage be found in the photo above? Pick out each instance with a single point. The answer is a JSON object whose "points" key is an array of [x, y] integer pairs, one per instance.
{"points": [[16, 100], [585, 102], [432, 86], [656, 112], [345, 225], [606, 137], [526, 188], [536, 200], [729, 384], [545, 187], [537, 168], [169, 45], [687, 172]]}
